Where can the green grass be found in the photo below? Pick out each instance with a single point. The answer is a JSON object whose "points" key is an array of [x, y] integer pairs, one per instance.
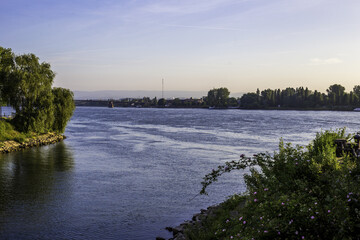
{"points": [[8, 132]]}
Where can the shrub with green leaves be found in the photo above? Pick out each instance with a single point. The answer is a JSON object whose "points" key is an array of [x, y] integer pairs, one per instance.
{"points": [[295, 193], [7, 132]]}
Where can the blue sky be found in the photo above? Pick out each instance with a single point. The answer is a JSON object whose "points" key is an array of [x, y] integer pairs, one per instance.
{"points": [[193, 45]]}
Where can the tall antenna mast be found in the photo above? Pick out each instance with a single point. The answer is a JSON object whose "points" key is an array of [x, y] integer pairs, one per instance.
{"points": [[162, 92]]}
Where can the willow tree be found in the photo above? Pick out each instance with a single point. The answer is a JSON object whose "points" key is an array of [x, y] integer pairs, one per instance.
{"points": [[63, 108], [6, 65], [30, 94], [26, 86]]}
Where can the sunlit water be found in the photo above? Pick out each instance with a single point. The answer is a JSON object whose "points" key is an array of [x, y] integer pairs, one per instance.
{"points": [[128, 173]]}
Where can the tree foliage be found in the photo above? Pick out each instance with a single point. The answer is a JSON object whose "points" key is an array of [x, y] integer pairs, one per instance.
{"points": [[335, 94], [6, 65], [218, 97], [295, 193], [30, 94], [301, 97], [161, 102], [26, 84], [63, 108]]}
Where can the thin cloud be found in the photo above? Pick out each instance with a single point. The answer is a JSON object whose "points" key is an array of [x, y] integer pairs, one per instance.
{"points": [[327, 61], [186, 7], [205, 27]]}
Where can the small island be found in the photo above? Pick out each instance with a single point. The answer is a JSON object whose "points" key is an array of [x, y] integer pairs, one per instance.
{"points": [[41, 111]]}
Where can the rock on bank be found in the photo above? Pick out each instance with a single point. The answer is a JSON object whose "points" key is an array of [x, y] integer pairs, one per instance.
{"points": [[44, 139]]}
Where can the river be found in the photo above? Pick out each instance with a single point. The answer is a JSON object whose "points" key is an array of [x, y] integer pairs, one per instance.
{"points": [[127, 173]]}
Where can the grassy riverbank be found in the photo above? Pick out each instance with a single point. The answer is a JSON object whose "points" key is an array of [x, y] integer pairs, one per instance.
{"points": [[295, 193], [8, 132], [12, 140]]}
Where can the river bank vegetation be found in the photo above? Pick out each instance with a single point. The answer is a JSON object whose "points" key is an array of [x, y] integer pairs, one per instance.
{"points": [[26, 86], [299, 98], [303, 98], [8, 132], [295, 193], [217, 97]]}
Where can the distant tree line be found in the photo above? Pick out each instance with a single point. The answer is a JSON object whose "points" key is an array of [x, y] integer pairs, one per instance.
{"points": [[290, 98], [335, 97], [217, 97], [26, 85], [220, 98], [146, 102]]}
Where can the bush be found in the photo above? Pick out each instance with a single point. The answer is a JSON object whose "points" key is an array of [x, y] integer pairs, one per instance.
{"points": [[296, 193], [8, 132]]}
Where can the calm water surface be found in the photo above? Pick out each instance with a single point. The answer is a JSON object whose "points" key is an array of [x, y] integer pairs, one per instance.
{"points": [[128, 173]]}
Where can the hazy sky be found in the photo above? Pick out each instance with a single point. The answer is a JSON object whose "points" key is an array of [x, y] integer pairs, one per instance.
{"points": [[192, 44]]}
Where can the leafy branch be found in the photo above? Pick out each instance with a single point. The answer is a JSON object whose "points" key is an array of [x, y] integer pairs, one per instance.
{"points": [[243, 163]]}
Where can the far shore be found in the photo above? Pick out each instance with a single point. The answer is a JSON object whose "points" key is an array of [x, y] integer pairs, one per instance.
{"points": [[105, 103]]}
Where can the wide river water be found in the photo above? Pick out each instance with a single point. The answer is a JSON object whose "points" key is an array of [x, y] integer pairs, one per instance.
{"points": [[127, 173]]}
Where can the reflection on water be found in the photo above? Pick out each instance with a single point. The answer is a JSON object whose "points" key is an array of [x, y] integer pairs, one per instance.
{"points": [[30, 180]]}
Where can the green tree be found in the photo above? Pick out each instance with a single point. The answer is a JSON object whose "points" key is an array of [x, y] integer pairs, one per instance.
{"points": [[335, 94], [32, 98], [268, 98], [233, 102], [316, 99], [154, 102], [278, 97], [218, 97], [177, 102], [162, 102], [26, 86], [250, 100], [146, 101], [288, 97], [64, 107], [356, 91], [6, 67]]}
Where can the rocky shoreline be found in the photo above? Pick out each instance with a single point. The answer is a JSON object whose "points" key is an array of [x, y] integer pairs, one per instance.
{"points": [[196, 221], [44, 139], [201, 220]]}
